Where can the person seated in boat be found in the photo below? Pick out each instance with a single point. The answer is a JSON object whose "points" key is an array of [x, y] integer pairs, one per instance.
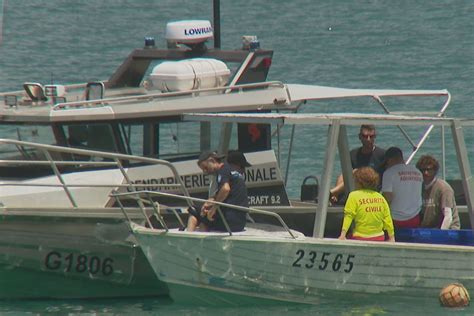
{"points": [[78, 136], [231, 189], [368, 155], [439, 205], [401, 186], [368, 209]]}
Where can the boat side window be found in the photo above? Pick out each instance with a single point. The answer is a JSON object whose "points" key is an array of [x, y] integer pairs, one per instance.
{"points": [[178, 139], [101, 137], [254, 137], [132, 135], [77, 136], [91, 136], [188, 139]]}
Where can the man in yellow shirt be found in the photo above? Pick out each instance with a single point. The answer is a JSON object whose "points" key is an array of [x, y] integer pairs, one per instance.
{"points": [[368, 209]]}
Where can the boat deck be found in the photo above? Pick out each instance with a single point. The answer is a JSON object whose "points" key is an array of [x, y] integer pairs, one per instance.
{"points": [[251, 230]]}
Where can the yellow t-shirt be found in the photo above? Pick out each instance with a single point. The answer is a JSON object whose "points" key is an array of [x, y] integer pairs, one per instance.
{"points": [[370, 212]]}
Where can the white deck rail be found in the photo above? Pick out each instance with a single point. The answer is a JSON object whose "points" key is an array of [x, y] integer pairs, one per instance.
{"points": [[149, 194], [115, 161]]}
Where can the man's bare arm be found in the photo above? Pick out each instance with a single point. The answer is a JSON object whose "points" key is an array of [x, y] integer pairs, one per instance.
{"points": [[388, 196]]}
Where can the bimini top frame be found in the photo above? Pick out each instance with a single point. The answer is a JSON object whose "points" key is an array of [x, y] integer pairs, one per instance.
{"points": [[337, 137]]}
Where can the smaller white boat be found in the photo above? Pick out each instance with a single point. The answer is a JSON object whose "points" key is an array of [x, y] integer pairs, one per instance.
{"points": [[263, 263]]}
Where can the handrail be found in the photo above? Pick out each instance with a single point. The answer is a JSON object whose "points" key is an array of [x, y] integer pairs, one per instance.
{"points": [[428, 131], [106, 185], [415, 146], [67, 86], [152, 96], [117, 158], [117, 195]]}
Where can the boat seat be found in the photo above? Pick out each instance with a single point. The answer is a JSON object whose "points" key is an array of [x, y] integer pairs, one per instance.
{"points": [[35, 91], [461, 237], [95, 90]]}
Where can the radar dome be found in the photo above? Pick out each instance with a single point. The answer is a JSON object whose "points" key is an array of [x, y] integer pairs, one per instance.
{"points": [[189, 31]]}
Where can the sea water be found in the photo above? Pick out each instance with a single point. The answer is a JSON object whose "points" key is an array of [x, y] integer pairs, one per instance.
{"points": [[380, 44]]}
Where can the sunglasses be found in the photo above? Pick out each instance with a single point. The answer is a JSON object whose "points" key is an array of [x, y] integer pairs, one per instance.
{"points": [[426, 169]]}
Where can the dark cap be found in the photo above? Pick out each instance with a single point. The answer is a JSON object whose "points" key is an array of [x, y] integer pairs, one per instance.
{"points": [[237, 158], [209, 154], [392, 152]]}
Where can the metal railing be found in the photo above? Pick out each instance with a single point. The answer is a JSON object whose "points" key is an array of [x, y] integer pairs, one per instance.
{"points": [[143, 198], [115, 160], [189, 199], [153, 96]]}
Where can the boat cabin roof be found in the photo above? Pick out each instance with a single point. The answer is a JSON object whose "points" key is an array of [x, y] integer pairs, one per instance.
{"points": [[301, 92], [355, 119], [265, 96], [124, 96]]}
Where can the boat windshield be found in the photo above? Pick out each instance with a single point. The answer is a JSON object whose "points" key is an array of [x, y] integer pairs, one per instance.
{"points": [[27, 133], [91, 136], [164, 140], [170, 139]]}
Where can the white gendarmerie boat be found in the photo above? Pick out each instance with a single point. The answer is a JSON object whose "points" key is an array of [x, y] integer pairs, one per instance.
{"points": [[60, 229], [280, 264]]}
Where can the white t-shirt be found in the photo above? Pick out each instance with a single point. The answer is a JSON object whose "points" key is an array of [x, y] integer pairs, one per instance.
{"points": [[405, 184]]}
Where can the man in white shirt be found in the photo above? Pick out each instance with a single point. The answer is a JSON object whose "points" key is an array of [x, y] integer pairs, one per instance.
{"points": [[401, 187]]}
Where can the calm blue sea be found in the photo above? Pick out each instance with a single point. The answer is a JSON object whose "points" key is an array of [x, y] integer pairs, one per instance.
{"points": [[403, 44]]}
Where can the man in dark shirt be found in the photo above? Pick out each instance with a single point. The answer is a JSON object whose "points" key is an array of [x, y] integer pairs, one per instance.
{"points": [[231, 189], [368, 155]]}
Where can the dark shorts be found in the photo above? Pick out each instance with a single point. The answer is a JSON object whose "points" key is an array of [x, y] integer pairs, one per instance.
{"points": [[235, 219], [218, 225], [199, 217]]}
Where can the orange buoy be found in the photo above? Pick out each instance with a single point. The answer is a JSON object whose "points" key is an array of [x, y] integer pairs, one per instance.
{"points": [[454, 295]]}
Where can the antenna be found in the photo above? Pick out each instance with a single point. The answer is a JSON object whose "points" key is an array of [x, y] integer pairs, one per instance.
{"points": [[3, 4], [217, 23]]}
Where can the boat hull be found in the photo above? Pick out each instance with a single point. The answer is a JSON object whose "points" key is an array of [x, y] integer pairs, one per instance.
{"points": [[72, 257], [300, 270], [56, 249]]}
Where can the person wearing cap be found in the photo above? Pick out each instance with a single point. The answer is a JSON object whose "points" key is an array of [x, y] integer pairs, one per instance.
{"points": [[401, 186], [439, 205], [237, 160], [231, 189], [368, 155], [368, 209]]}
